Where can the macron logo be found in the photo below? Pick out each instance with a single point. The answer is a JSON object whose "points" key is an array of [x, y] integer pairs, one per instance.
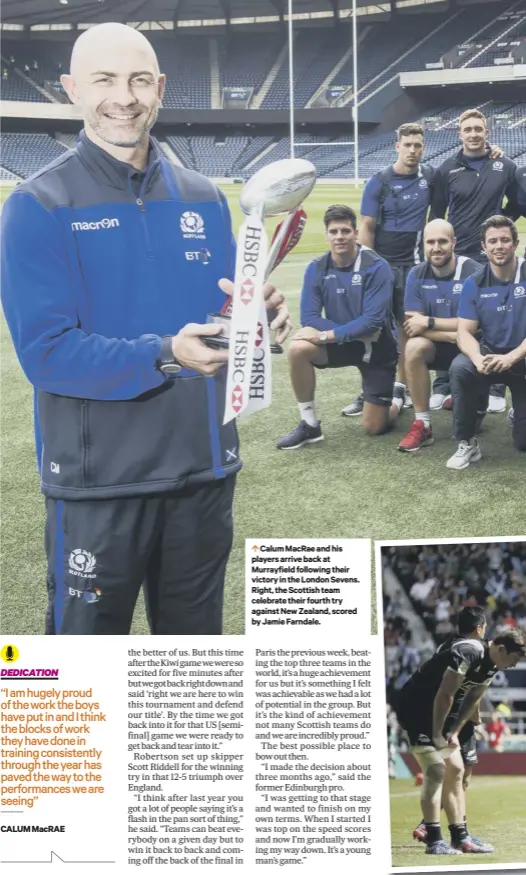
{"points": [[95, 226]]}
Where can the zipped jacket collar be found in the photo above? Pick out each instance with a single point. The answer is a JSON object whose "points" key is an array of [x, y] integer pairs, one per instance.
{"points": [[110, 170], [461, 158]]}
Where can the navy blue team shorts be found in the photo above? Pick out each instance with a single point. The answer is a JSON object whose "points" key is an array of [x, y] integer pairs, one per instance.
{"points": [[377, 377]]}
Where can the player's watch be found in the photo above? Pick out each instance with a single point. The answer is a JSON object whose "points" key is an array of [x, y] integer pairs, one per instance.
{"points": [[323, 337], [430, 323], [167, 363]]}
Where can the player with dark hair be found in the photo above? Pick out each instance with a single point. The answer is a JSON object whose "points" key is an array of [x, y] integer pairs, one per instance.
{"points": [[471, 623], [394, 210], [434, 706], [492, 302], [352, 287]]}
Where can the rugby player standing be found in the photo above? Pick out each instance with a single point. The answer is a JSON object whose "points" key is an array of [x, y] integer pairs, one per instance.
{"points": [[471, 623], [394, 210], [434, 706]]}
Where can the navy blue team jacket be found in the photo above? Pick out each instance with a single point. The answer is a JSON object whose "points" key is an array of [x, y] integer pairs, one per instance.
{"points": [[471, 192], [355, 301], [95, 272]]}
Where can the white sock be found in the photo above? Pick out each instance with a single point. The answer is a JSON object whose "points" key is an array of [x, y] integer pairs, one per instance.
{"points": [[425, 417], [398, 402], [308, 412]]}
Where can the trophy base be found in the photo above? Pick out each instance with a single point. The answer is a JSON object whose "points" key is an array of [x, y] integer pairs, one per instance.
{"points": [[222, 341]]}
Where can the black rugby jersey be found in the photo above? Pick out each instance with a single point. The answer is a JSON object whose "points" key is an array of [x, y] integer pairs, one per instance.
{"points": [[466, 656]]}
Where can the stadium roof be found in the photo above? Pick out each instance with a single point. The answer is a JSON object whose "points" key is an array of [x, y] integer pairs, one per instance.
{"points": [[31, 12]]}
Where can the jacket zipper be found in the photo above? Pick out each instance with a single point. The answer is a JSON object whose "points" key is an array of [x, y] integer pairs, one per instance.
{"points": [[142, 209], [85, 444]]}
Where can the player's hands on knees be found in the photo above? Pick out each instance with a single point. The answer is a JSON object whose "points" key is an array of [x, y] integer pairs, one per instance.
{"points": [[494, 364], [277, 310], [452, 739], [440, 742], [415, 324], [480, 363], [191, 352], [307, 333]]}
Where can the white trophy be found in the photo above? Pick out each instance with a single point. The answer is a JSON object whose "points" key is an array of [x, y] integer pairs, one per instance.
{"points": [[278, 188]]}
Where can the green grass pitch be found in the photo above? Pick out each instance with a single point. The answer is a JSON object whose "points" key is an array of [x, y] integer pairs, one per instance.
{"points": [[348, 486], [501, 823]]}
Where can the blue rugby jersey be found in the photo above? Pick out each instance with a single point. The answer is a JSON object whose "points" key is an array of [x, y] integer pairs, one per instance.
{"points": [[437, 296], [401, 218], [498, 307], [94, 274]]}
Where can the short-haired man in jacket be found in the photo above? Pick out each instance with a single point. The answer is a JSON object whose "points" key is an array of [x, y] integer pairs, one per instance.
{"points": [[111, 263], [347, 320]]}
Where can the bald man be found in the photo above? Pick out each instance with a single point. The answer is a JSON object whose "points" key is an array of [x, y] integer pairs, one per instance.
{"points": [[431, 301], [112, 259]]}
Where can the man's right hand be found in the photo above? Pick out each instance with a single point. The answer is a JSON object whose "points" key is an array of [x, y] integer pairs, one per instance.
{"points": [[191, 352]]}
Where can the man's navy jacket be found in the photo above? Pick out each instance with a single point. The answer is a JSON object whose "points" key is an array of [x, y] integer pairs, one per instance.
{"points": [[99, 262], [471, 192]]}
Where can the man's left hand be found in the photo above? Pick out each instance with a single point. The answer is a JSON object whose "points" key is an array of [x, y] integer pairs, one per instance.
{"points": [[495, 364], [415, 325], [276, 307]]}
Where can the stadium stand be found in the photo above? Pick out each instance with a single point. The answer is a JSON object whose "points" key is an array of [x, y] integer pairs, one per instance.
{"points": [[389, 48], [24, 154], [315, 54], [238, 155], [197, 64], [245, 59], [254, 147], [217, 156], [498, 38], [187, 66], [7, 175], [183, 150], [16, 87], [46, 60], [442, 579]]}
